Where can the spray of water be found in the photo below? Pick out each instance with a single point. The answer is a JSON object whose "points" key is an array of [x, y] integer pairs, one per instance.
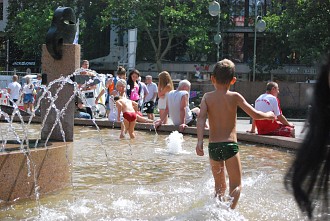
{"points": [[174, 142], [23, 140]]}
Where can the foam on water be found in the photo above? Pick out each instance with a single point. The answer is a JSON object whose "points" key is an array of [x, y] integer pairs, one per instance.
{"points": [[174, 142]]}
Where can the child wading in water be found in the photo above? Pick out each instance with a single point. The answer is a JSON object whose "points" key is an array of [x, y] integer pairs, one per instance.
{"points": [[220, 106], [128, 108]]}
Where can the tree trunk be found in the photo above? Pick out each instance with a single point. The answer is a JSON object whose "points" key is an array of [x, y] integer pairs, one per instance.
{"points": [[159, 65]]}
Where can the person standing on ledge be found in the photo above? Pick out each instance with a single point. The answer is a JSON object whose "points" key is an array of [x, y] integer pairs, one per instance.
{"points": [[269, 102], [14, 89], [150, 99], [220, 106]]}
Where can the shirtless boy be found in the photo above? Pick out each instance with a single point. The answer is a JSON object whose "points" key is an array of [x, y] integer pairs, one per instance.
{"points": [[220, 106], [128, 108]]}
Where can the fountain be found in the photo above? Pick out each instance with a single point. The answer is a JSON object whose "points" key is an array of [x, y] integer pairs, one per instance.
{"points": [[149, 178], [32, 167], [174, 142]]}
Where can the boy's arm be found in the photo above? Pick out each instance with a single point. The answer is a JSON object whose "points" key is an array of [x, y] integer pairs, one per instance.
{"points": [[201, 120], [118, 106], [247, 108], [135, 106]]}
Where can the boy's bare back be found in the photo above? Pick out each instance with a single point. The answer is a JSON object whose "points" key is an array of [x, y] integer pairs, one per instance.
{"points": [[221, 108], [126, 105]]}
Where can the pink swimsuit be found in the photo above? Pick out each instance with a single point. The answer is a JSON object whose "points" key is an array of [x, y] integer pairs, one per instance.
{"points": [[135, 93]]}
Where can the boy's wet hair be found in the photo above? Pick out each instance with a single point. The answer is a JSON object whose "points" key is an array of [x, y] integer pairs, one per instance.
{"points": [[116, 98], [224, 71], [122, 82]]}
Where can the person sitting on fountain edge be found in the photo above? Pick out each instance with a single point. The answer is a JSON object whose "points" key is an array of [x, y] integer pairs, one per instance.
{"points": [[128, 108], [269, 102], [177, 107], [220, 106]]}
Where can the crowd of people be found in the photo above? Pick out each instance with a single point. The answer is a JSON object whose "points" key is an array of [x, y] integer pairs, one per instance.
{"points": [[151, 98], [126, 93]]}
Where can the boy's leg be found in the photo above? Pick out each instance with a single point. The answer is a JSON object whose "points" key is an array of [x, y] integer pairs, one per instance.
{"points": [[123, 128], [31, 107], [234, 170], [218, 171], [126, 124], [131, 129]]}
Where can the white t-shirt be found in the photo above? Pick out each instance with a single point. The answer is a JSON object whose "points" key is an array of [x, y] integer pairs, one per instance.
{"points": [[152, 88], [268, 102], [28, 88], [15, 88], [264, 103], [173, 100]]}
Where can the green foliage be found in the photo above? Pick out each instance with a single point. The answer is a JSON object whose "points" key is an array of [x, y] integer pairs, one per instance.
{"points": [[297, 28], [297, 32], [163, 21], [29, 21]]}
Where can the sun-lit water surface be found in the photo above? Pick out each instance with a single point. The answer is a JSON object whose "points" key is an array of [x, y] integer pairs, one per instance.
{"points": [[141, 179]]}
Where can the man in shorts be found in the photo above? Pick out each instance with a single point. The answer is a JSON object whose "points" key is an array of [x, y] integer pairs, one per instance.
{"points": [[14, 89], [270, 102], [150, 99]]}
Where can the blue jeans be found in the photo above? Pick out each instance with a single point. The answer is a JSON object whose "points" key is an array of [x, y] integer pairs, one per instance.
{"points": [[84, 115]]}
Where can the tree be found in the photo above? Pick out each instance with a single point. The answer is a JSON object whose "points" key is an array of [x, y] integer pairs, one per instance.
{"points": [[163, 21], [94, 38], [308, 28], [29, 21], [297, 32]]}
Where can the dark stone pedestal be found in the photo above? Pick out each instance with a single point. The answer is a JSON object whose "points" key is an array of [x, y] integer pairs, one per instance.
{"points": [[55, 69]]}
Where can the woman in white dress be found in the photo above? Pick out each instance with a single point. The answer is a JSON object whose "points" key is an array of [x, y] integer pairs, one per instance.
{"points": [[165, 85]]}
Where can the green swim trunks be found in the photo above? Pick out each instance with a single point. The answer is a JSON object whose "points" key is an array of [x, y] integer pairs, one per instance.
{"points": [[222, 150]]}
